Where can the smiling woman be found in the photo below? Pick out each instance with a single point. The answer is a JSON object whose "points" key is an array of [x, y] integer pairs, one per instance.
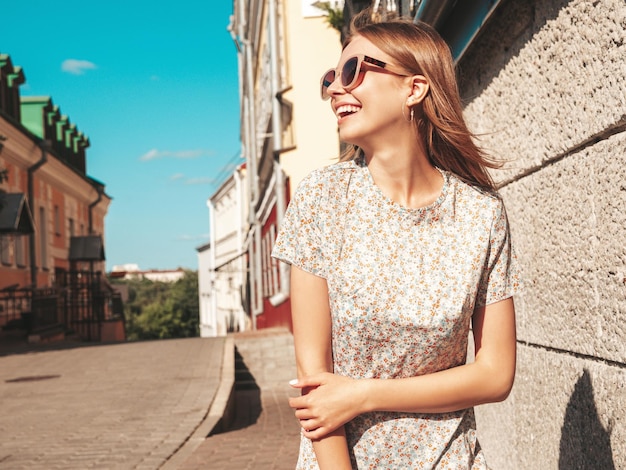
{"points": [[396, 251]]}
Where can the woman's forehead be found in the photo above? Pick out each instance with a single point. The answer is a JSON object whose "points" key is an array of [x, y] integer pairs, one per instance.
{"points": [[361, 45]]}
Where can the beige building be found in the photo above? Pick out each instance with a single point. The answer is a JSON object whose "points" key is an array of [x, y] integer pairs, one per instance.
{"points": [[286, 130], [313, 47]]}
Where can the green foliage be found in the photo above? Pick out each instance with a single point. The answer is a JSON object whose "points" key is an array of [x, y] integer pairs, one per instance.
{"points": [[334, 15], [159, 310]]}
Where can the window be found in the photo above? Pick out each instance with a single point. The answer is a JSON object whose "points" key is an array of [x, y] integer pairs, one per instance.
{"points": [[57, 221], [20, 252], [273, 260], [270, 266], [264, 267], [5, 249], [71, 224]]}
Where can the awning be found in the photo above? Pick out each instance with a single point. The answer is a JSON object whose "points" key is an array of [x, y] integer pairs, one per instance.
{"points": [[15, 216], [87, 248]]}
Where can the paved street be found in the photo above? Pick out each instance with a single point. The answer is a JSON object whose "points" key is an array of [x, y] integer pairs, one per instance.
{"points": [[105, 406], [145, 405]]}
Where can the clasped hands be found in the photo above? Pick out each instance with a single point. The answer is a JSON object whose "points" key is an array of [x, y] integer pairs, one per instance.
{"points": [[328, 401]]}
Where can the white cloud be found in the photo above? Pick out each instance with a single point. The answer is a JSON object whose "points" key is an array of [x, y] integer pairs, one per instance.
{"points": [[202, 180], [150, 155], [192, 181], [155, 153], [77, 67]]}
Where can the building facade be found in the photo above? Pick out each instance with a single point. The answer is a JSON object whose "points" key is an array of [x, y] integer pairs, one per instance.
{"points": [[222, 263], [52, 213], [286, 131]]}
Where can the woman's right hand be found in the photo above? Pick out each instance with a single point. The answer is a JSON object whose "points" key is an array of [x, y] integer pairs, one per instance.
{"points": [[328, 402]]}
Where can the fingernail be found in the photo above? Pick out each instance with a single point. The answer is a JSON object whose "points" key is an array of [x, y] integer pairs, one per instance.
{"points": [[293, 382]]}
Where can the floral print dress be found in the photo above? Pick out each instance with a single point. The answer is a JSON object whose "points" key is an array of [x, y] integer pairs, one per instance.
{"points": [[403, 284]]}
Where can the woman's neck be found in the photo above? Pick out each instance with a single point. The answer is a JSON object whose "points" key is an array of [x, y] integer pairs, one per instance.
{"points": [[405, 176]]}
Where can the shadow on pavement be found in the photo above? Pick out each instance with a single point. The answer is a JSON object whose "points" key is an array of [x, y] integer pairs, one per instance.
{"points": [[12, 345], [247, 397]]}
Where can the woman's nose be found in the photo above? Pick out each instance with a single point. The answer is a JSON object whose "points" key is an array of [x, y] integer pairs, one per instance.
{"points": [[335, 86]]}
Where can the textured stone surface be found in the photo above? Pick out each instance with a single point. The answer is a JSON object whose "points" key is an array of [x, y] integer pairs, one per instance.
{"points": [[546, 76], [564, 413], [569, 223], [544, 83]]}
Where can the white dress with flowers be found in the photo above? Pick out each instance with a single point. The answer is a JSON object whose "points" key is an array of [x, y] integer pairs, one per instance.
{"points": [[403, 284]]}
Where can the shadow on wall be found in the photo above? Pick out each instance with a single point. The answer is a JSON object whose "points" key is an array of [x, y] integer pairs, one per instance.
{"points": [[585, 444], [511, 27]]}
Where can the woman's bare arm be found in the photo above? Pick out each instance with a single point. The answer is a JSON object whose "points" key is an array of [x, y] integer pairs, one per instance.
{"points": [[310, 311]]}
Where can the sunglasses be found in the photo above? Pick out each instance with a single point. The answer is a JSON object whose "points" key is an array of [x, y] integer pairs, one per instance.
{"points": [[351, 73]]}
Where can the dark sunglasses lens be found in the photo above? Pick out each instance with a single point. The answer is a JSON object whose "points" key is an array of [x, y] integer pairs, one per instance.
{"points": [[349, 72], [327, 79]]}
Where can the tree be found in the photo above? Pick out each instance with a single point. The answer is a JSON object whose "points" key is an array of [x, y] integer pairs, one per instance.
{"points": [[334, 16], [159, 310]]}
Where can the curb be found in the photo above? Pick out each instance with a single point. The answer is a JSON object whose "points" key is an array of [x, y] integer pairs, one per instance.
{"points": [[220, 414]]}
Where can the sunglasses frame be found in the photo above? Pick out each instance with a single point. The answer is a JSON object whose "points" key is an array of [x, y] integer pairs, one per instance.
{"points": [[357, 78]]}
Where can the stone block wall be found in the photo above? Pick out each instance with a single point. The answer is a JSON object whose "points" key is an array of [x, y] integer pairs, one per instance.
{"points": [[545, 87]]}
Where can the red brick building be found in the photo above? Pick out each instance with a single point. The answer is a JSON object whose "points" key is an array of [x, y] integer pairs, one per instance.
{"points": [[51, 220]]}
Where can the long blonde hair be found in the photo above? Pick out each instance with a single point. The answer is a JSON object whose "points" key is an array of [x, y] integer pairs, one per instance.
{"points": [[420, 50]]}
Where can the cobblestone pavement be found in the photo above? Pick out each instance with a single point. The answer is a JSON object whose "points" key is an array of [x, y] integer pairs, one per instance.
{"points": [[271, 443], [122, 406]]}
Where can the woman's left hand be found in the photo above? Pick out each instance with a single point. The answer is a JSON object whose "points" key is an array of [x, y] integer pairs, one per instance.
{"points": [[328, 401]]}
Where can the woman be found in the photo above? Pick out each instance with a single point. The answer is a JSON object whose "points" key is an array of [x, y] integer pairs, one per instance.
{"points": [[395, 250]]}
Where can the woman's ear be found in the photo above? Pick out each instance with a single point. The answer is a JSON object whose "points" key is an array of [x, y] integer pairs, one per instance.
{"points": [[419, 90]]}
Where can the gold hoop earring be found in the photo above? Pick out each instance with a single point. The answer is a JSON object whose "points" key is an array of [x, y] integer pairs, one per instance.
{"points": [[411, 114]]}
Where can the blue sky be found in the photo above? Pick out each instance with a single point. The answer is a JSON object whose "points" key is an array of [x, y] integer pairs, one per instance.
{"points": [[154, 86]]}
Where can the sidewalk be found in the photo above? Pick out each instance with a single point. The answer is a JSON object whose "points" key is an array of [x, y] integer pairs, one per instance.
{"points": [[149, 405], [272, 442]]}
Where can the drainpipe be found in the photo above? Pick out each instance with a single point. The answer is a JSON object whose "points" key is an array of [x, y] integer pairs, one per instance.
{"points": [[240, 243], [90, 222], [249, 110], [32, 244], [91, 207], [277, 133]]}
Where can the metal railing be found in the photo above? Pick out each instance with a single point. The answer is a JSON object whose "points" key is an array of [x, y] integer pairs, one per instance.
{"points": [[80, 303]]}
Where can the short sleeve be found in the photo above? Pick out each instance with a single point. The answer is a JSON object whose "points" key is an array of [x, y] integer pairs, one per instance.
{"points": [[501, 276], [299, 240]]}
